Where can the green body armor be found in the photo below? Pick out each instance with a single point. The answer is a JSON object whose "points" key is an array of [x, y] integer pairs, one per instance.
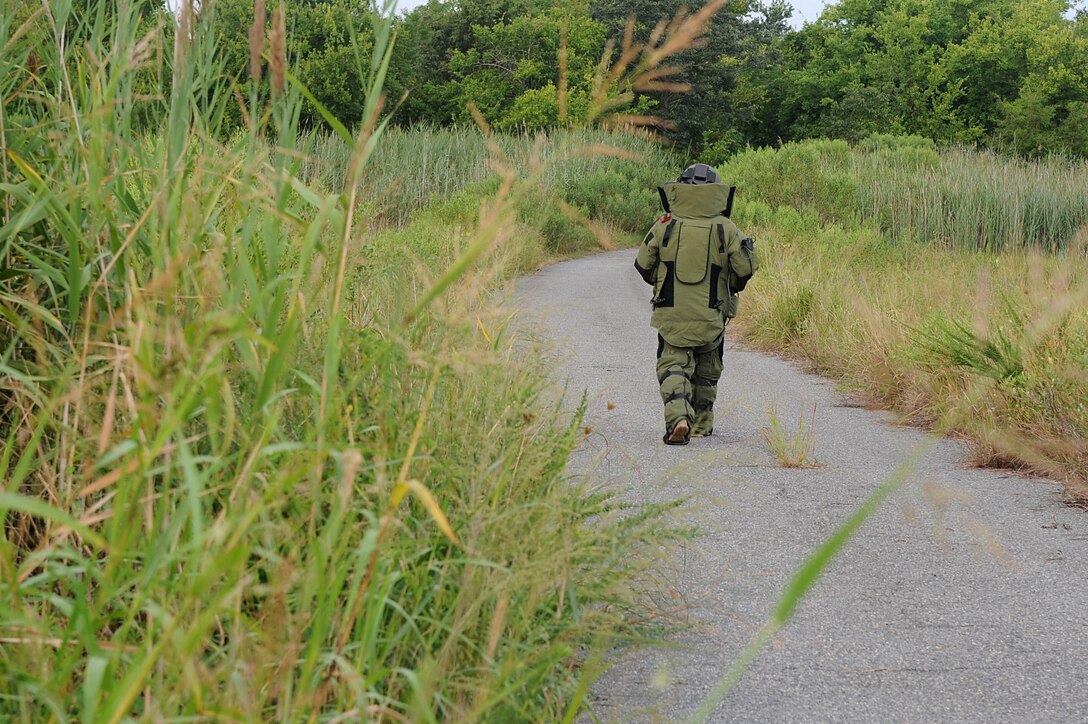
{"points": [[697, 262]]}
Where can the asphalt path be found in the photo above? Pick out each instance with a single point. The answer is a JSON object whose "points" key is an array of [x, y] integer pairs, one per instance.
{"points": [[965, 597]]}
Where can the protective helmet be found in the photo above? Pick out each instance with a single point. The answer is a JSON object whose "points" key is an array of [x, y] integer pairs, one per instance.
{"points": [[699, 173]]}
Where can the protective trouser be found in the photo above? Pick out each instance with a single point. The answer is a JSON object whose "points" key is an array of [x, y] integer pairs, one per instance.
{"points": [[689, 383]]}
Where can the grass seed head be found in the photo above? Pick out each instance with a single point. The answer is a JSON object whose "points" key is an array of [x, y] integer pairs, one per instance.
{"points": [[256, 41], [277, 41]]}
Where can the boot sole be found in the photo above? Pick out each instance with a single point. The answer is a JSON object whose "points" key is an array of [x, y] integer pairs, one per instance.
{"points": [[679, 434]]}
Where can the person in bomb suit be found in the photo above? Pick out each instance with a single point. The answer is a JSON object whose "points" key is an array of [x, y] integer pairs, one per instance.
{"points": [[697, 262]]}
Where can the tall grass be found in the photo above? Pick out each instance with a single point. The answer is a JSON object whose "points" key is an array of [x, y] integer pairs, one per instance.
{"points": [[972, 199], [911, 271], [913, 192], [417, 166], [914, 326], [237, 482]]}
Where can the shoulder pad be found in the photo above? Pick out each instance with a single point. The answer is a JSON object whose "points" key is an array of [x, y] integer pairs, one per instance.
{"points": [[663, 218]]}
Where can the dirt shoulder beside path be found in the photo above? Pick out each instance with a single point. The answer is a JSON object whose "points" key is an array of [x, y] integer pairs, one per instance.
{"points": [[964, 597]]}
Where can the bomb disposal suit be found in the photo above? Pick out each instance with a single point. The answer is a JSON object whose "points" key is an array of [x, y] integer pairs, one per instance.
{"points": [[697, 262]]}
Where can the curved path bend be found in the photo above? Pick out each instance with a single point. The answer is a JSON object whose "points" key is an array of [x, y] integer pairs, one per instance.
{"points": [[965, 598]]}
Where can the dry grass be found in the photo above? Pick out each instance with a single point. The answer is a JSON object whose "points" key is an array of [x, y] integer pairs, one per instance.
{"points": [[793, 448], [914, 327]]}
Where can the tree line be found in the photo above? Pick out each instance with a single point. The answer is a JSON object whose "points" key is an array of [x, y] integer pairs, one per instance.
{"points": [[999, 72], [1011, 74]]}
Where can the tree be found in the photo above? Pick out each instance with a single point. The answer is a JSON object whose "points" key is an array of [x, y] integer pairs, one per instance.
{"points": [[325, 41], [705, 114], [1019, 77], [511, 72], [501, 55], [427, 39], [964, 70]]}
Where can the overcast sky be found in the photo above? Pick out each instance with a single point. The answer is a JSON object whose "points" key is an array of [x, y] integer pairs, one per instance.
{"points": [[805, 11]]}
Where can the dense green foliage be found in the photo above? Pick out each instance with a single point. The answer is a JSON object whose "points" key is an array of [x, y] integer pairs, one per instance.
{"points": [[327, 44], [1011, 73], [258, 463], [706, 114], [525, 64], [79, 22], [1001, 72]]}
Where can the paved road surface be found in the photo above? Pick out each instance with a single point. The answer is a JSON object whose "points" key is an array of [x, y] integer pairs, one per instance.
{"points": [[968, 602]]}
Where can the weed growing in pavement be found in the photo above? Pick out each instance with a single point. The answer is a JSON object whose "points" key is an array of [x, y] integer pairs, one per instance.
{"points": [[792, 448]]}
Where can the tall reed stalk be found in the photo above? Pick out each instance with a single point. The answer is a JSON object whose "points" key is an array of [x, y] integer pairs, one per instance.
{"points": [[415, 167], [912, 192], [973, 199]]}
